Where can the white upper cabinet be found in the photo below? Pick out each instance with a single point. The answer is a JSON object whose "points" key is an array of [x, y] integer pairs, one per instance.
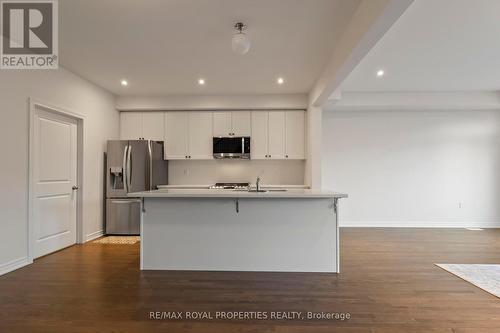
{"points": [[222, 124], [176, 124], [200, 135], [276, 134], [295, 136], [153, 126], [141, 126], [268, 135], [241, 123], [130, 125], [232, 123], [259, 139], [188, 135]]}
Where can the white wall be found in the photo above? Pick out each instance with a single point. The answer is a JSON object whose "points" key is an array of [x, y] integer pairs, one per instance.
{"points": [[312, 170], [213, 102], [414, 168], [289, 172], [63, 89]]}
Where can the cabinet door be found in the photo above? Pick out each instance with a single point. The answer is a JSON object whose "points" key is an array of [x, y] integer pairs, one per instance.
{"points": [[200, 135], [259, 137], [295, 135], [130, 125], [241, 123], [222, 124], [176, 135], [276, 134], [153, 126]]}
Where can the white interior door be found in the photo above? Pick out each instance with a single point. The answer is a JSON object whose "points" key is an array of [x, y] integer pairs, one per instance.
{"points": [[54, 200]]}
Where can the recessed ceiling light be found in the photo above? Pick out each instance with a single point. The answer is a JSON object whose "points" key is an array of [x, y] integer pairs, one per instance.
{"points": [[280, 80], [201, 82], [124, 83], [380, 73]]}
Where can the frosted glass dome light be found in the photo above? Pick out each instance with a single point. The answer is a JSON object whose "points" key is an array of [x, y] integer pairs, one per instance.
{"points": [[240, 42]]}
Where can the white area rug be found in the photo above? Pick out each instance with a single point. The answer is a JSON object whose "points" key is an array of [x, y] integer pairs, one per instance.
{"points": [[120, 240], [486, 277]]}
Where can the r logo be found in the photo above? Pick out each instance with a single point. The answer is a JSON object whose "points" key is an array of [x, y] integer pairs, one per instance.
{"points": [[27, 28]]}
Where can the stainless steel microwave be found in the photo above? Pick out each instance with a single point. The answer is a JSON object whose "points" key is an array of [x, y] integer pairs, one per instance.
{"points": [[231, 147]]}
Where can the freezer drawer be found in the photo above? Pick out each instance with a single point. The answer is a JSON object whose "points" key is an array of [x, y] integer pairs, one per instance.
{"points": [[123, 216]]}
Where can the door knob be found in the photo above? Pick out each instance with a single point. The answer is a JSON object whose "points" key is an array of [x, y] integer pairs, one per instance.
{"points": [[75, 188]]}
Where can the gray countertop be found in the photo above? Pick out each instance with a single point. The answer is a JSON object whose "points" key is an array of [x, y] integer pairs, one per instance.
{"points": [[205, 187], [214, 193]]}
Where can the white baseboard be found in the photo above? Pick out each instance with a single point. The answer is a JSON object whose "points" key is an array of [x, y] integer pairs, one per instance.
{"points": [[13, 265], [94, 235], [418, 224]]}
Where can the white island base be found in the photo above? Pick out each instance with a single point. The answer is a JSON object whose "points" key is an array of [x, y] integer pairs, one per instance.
{"points": [[267, 233]]}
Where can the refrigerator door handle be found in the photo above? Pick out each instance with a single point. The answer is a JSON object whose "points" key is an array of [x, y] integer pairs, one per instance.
{"points": [[129, 168], [150, 152], [125, 172]]}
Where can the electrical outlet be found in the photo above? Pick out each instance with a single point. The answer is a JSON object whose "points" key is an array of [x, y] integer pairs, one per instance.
{"points": [[460, 205]]}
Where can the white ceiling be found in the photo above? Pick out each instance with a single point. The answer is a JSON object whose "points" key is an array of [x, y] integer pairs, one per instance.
{"points": [[436, 46], [162, 47]]}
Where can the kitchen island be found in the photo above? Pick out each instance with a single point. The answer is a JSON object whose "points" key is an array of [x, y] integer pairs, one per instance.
{"points": [[228, 230]]}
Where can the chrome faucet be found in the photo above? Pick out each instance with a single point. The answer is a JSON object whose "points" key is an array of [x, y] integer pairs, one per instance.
{"points": [[257, 184]]}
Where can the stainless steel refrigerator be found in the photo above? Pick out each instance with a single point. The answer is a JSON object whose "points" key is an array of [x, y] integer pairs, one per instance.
{"points": [[131, 166]]}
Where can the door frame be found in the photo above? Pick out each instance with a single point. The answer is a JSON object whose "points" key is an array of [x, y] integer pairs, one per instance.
{"points": [[80, 119]]}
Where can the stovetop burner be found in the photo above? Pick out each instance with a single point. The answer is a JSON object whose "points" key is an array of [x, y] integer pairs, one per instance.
{"points": [[230, 186]]}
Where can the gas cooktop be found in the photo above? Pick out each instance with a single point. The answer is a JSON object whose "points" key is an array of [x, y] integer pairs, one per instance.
{"points": [[230, 186]]}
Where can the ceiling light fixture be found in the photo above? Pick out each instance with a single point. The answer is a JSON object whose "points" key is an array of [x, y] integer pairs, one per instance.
{"points": [[240, 42], [280, 80], [380, 73], [124, 83], [201, 82]]}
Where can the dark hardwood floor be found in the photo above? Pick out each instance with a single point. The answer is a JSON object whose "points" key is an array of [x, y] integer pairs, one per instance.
{"points": [[389, 283]]}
